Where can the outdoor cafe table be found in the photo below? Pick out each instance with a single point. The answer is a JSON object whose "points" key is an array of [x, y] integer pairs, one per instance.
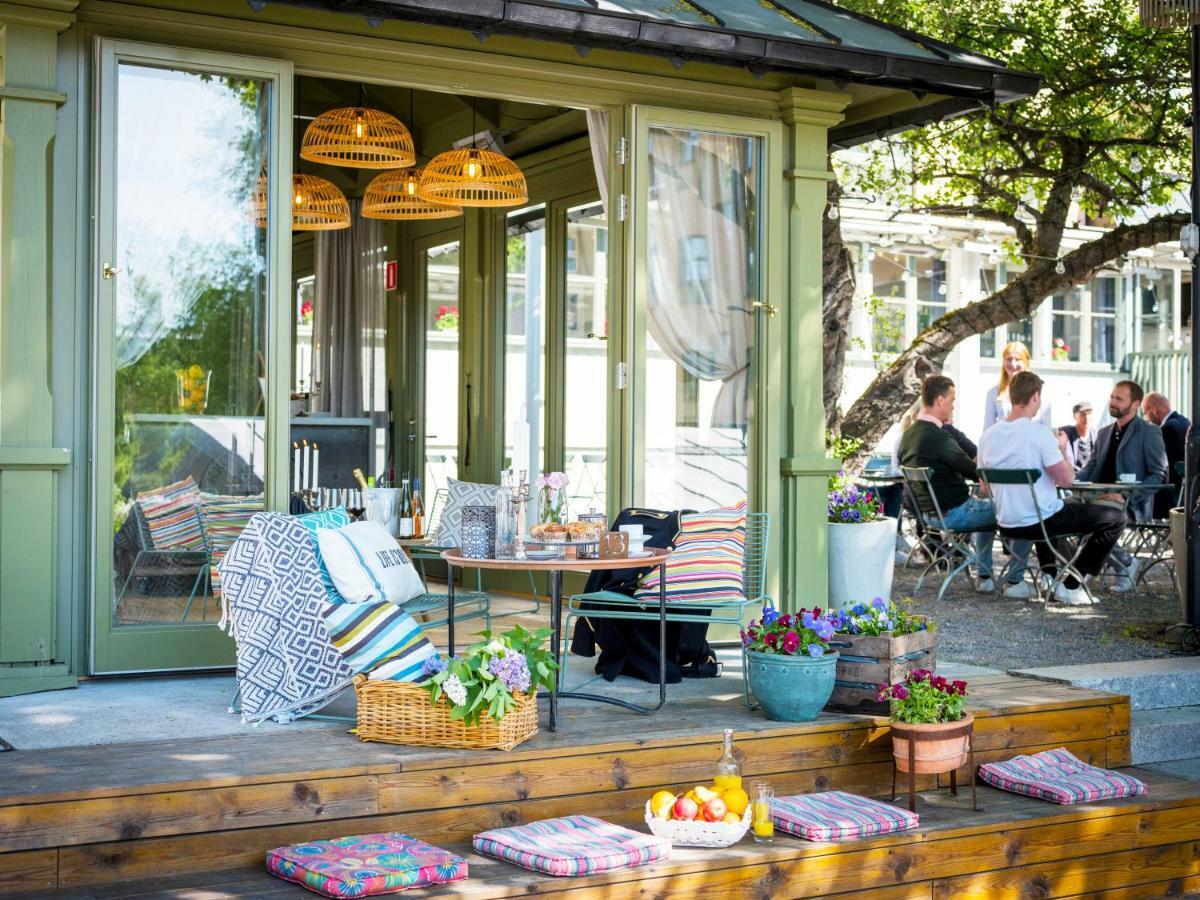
{"points": [[555, 568], [1142, 535]]}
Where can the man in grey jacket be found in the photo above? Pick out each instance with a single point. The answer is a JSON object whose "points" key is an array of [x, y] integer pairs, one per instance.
{"points": [[1130, 445]]}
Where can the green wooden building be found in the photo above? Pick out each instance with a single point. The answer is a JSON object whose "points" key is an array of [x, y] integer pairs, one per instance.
{"points": [[648, 320]]}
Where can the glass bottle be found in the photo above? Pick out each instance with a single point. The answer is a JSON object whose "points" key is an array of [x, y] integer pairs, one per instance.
{"points": [[506, 517], [418, 507], [729, 770], [406, 510]]}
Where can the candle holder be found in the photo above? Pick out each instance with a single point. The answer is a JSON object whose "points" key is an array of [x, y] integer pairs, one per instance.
{"points": [[520, 500]]}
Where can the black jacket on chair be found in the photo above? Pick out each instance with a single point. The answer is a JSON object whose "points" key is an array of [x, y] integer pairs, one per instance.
{"points": [[1174, 432], [630, 647]]}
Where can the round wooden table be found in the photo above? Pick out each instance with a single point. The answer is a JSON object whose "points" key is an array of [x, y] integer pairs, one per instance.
{"points": [[554, 568]]}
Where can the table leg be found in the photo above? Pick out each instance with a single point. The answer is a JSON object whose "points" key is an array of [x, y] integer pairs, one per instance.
{"points": [[450, 608], [912, 775], [662, 635], [555, 640]]}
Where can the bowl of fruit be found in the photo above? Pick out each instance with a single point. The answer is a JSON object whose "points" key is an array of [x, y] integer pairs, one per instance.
{"points": [[703, 817]]}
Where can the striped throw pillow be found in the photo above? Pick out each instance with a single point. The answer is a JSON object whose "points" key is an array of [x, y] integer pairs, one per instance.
{"points": [[326, 518], [173, 516], [379, 639], [224, 518], [707, 562]]}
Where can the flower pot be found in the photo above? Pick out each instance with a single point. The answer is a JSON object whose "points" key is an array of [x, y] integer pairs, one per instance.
{"points": [[936, 748], [862, 559], [791, 688]]}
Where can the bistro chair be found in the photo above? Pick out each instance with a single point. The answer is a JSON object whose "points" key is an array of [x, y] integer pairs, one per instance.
{"points": [[1066, 564], [725, 612], [946, 546], [171, 566]]}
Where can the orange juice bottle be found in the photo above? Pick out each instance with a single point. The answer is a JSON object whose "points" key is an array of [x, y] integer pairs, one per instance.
{"points": [[729, 770]]}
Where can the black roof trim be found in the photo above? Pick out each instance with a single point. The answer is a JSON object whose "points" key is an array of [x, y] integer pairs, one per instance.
{"points": [[843, 136]]}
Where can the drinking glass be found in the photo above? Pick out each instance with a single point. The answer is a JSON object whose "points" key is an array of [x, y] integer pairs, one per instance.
{"points": [[761, 822]]}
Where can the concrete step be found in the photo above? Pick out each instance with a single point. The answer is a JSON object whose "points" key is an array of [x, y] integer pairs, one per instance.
{"points": [[1150, 683], [1162, 735]]}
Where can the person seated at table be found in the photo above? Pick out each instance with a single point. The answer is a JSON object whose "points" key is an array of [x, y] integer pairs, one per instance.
{"points": [[1081, 436], [1157, 410], [1020, 442], [928, 445], [1129, 446]]}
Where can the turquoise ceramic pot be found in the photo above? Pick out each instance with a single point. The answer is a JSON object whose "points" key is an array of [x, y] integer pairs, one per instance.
{"points": [[791, 688]]}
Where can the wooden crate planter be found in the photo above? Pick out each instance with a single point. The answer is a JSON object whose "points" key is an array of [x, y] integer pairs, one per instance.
{"points": [[865, 663]]}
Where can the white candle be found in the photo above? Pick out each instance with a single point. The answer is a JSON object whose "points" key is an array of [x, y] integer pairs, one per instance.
{"points": [[316, 461], [295, 466], [307, 464]]}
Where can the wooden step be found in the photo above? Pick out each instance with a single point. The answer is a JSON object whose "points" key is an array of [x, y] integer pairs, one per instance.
{"points": [[90, 816], [1012, 847]]}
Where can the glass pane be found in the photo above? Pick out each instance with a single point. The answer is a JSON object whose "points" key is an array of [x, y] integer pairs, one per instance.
{"points": [[525, 340], [441, 368], [1104, 295], [887, 328], [587, 359], [931, 280], [888, 274], [1104, 339], [928, 313], [703, 268], [1021, 330], [1155, 308], [190, 343], [989, 283]]}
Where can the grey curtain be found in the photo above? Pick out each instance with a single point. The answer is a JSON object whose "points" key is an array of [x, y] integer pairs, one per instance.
{"points": [[349, 317]]}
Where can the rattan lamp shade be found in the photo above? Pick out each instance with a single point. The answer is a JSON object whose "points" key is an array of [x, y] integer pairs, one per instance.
{"points": [[317, 204], [473, 176], [358, 137], [396, 195], [1170, 13]]}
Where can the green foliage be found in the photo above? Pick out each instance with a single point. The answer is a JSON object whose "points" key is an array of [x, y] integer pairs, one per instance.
{"points": [[880, 617], [925, 699]]}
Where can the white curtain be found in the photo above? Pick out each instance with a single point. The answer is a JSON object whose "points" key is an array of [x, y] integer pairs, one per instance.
{"points": [[349, 317], [597, 123]]}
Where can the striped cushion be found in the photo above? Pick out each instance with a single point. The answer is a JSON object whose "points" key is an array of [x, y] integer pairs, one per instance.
{"points": [[326, 518], [706, 565], [173, 516], [836, 814], [378, 638], [1060, 777], [571, 845], [224, 518]]}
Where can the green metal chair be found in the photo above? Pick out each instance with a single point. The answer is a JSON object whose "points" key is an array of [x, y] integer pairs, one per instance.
{"points": [[622, 606], [1029, 477], [950, 548]]}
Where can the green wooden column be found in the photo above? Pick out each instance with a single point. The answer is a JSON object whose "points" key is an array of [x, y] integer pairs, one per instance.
{"points": [[805, 469], [30, 464]]}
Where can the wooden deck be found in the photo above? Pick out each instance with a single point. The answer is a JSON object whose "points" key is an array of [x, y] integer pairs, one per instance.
{"points": [[80, 818]]}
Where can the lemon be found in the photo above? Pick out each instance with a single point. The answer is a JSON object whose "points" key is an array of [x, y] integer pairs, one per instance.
{"points": [[195, 371]]}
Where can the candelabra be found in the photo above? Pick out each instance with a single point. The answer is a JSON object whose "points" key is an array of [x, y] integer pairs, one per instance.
{"points": [[520, 500]]}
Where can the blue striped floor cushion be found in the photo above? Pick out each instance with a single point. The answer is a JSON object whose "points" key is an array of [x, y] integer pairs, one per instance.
{"points": [[173, 516], [1060, 777], [326, 518], [571, 845], [708, 559], [378, 639], [224, 517], [835, 814]]}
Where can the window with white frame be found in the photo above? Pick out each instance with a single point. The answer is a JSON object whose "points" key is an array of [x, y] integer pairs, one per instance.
{"points": [[1067, 326], [1104, 320], [1154, 294]]}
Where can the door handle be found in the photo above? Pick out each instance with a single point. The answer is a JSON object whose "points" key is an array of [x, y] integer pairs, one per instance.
{"points": [[766, 307], [110, 271], [597, 337]]}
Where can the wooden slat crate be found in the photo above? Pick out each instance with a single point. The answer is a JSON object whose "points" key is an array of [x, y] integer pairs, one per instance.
{"points": [[865, 663]]}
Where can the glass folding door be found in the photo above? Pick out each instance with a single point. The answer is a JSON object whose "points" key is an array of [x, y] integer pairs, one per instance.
{"points": [[188, 277]]}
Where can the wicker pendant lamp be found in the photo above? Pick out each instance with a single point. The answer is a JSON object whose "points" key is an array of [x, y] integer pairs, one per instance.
{"points": [[360, 138], [1170, 13], [396, 195], [474, 176], [317, 204]]}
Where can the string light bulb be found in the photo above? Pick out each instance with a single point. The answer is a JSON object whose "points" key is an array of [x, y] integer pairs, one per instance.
{"points": [[1060, 268], [1135, 163], [833, 213]]}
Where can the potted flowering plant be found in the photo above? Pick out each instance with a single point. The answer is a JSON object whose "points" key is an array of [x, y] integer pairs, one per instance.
{"points": [[862, 544], [789, 663], [931, 728], [552, 497], [446, 319], [878, 643]]}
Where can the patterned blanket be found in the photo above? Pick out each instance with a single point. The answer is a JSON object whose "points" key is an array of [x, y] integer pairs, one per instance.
{"points": [[271, 600]]}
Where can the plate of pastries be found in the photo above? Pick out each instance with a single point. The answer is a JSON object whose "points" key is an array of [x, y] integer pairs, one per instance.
{"points": [[571, 533]]}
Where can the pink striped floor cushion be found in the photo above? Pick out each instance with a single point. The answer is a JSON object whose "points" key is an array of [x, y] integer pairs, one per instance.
{"points": [[173, 516], [707, 562], [836, 814], [1060, 777], [571, 845], [365, 864]]}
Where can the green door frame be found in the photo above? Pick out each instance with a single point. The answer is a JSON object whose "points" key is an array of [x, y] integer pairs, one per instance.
{"points": [[179, 647]]}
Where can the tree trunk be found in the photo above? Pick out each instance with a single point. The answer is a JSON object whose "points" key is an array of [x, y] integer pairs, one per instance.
{"points": [[837, 291], [897, 386]]}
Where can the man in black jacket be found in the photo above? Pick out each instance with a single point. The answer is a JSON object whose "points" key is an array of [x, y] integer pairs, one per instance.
{"points": [[1157, 410]]}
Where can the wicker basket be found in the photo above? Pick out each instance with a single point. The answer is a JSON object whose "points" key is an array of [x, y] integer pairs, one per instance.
{"points": [[697, 832], [398, 712]]}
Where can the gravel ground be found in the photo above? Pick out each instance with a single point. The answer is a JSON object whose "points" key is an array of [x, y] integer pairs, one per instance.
{"points": [[1016, 634]]}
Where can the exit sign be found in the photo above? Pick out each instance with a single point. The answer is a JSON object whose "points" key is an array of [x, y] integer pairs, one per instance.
{"points": [[390, 274]]}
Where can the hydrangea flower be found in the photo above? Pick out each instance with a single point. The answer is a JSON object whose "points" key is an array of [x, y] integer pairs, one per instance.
{"points": [[455, 690], [512, 669], [433, 665]]}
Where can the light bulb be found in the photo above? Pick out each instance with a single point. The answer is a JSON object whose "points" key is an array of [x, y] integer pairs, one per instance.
{"points": [[358, 125], [932, 230], [298, 199], [1060, 268], [1135, 163], [994, 257], [471, 167], [942, 290], [833, 212], [410, 187]]}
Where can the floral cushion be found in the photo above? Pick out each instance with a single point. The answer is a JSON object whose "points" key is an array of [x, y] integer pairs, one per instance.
{"points": [[571, 845], [836, 814], [365, 864], [1060, 777]]}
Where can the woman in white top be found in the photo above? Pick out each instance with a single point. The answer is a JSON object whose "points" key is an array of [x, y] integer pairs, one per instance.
{"points": [[997, 406]]}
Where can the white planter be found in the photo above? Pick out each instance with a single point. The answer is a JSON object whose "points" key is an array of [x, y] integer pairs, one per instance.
{"points": [[862, 559]]}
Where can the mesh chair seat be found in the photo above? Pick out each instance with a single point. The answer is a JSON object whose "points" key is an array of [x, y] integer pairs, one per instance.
{"points": [[952, 547]]}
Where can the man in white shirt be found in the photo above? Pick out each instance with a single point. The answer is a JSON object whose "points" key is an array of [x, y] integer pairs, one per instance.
{"points": [[1018, 442]]}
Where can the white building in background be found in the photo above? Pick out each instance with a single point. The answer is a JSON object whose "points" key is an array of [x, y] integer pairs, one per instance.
{"points": [[912, 268]]}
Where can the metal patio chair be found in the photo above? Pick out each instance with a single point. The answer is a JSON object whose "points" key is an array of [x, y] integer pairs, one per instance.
{"points": [[729, 612], [947, 546], [1066, 564], [173, 564]]}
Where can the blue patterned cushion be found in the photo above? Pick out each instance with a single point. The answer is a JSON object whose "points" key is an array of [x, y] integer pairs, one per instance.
{"points": [[460, 494], [326, 518]]}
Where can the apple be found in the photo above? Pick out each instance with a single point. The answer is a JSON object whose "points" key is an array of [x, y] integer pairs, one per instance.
{"points": [[686, 809], [713, 810]]}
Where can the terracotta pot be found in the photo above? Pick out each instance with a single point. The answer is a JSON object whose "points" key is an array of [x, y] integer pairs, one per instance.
{"points": [[938, 748]]}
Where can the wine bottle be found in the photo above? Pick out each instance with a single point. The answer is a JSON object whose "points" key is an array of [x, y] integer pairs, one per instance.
{"points": [[418, 507], [406, 509], [358, 476]]}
